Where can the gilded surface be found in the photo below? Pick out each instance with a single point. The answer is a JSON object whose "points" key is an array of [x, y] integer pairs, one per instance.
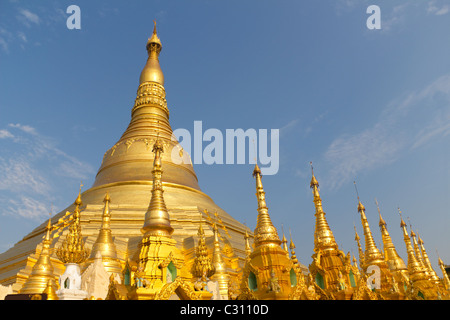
{"points": [[148, 228]]}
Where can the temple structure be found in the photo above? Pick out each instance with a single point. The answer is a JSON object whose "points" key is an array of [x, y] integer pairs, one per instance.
{"points": [[145, 230]]}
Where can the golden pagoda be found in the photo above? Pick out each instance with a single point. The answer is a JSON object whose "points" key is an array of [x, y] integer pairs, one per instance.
{"points": [[269, 273], [446, 280], [395, 263], [105, 244], [420, 286], [145, 233], [125, 175], [161, 269], [374, 261], [43, 272], [330, 268]]}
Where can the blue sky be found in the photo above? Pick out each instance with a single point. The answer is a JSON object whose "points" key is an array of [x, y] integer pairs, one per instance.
{"points": [[371, 106]]}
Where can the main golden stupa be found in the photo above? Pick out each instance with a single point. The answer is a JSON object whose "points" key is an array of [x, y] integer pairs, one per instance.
{"points": [[145, 230]]}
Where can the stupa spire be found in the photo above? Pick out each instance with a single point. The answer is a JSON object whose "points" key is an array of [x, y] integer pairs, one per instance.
{"points": [[72, 249], [220, 270], [284, 242], [323, 236], [394, 261], [417, 249], [426, 260], [360, 250], [248, 248], [217, 259], [157, 220], [42, 271], [152, 71], [293, 256], [371, 255], [105, 243], [415, 270], [264, 232], [446, 279]]}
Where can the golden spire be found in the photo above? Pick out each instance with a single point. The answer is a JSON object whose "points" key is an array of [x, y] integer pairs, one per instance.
{"points": [[50, 290], [371, 255], [417, 250], [248, 249], [391, 256], [42, 271], [293, 256], [360, 250], [157, 220], [105, 243], [72, 249], [218, 263], [265, 232], [152, 71], [127, 159], [203, 267], [284, 243], [426, 261], [323, 236], [446, 279], [220, 270], [415, 270]]}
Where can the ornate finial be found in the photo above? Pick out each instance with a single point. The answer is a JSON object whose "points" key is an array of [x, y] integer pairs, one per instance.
{"points": [[284, 241], [291, 243], [382, 222], [153, 43], [157, 220], [323, 236], [356, 189], [264, 232], [203, 267], [248, 249], [314, 181], [356, 233], [360, 205], [402, 223], [72, 250], [217, 261], [293, 256], [78, 202], [152, 71]]}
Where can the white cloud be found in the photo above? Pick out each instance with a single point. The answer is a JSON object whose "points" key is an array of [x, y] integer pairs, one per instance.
{"points": [[33, 169], [18, 175], [5, 134], [27, 17], [405, 124], [436, 9], [28, 207], [22, 36], [24, 128]]}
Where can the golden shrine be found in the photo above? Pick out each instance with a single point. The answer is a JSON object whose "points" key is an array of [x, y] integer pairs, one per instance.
{"points": [[146, 231]]}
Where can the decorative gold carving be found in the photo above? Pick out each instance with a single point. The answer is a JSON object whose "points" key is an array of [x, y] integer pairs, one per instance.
{"points": [[182, 288], [151, 93]]}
